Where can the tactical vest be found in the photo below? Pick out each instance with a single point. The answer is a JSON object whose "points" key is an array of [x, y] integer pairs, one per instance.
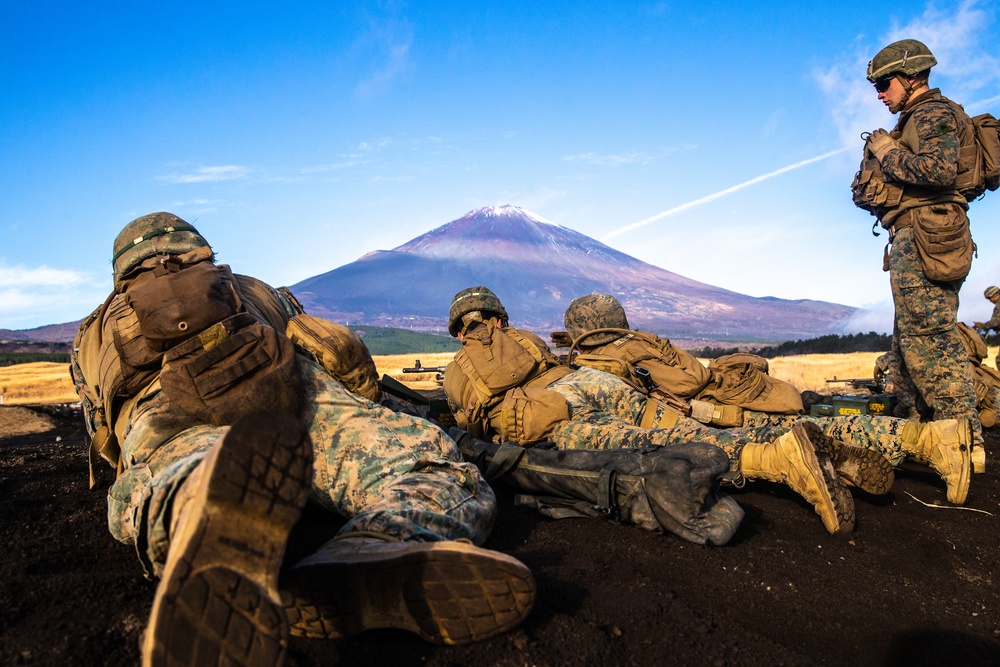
{"points": [[669, 367], [496, 384], [887, 199], [116, 361]]}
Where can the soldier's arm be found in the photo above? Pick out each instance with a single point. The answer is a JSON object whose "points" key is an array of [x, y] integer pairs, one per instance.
{"points": [[935, 162], [994, 322]]}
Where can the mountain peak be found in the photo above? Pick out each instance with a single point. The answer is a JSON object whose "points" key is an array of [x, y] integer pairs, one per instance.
{"points": [[537, 268], [506, 211]]}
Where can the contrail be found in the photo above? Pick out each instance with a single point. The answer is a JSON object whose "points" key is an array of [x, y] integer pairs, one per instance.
{"points": [[720, 193]]}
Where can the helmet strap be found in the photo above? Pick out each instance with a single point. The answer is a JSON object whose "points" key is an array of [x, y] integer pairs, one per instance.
{"points": [[907, 91]]}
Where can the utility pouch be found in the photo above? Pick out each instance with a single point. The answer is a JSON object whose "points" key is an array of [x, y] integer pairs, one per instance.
{"points": [[528, 414], [869, 189], [174, 300], [723, 416], [232, 368], [943, 242], [340, 351]]}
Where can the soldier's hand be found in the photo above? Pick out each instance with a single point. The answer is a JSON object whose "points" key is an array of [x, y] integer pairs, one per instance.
{"points": [[880, 143]]}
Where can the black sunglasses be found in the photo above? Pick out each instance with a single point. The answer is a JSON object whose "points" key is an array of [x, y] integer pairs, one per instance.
{"points": [[882, 85]]}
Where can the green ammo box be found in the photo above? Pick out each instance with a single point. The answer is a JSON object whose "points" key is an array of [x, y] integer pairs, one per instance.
{"points": [[851, 404]]}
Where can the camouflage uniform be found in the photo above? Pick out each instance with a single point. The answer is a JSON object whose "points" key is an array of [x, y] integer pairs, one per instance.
{"points": [[901, 386], [677, 372], [384, 471], [925, 162], [605, 410]]}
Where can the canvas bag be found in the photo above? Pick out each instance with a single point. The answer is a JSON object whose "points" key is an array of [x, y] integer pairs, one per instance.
{"points": [[528, 414], [742, 379]]}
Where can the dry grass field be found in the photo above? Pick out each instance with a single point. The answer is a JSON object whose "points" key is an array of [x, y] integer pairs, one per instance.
{"points": [[40, 382], [44, 382]]}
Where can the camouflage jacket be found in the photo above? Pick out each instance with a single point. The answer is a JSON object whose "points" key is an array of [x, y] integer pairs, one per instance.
{"points": [[930, 132]]}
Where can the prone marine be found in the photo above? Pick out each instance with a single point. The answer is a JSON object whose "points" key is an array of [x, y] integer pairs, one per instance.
{"points": [[220, 429]]}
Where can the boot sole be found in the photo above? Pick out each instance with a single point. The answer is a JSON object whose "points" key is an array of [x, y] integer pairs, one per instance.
{"points": [[447, 592], [218, 603], [820, 458], [863, 468]]}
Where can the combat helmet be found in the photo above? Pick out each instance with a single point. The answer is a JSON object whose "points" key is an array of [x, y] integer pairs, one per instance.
{"points": [[473, 299], [991, 291], [150, 235], [595, 311], [907, 56]]}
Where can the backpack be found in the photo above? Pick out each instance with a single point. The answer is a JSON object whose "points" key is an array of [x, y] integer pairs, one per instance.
{"points": [[979, 157], [496, 361], [986, 166]]}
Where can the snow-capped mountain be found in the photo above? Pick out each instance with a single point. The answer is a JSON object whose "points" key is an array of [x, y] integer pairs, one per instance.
{"points": [[537, 267]]}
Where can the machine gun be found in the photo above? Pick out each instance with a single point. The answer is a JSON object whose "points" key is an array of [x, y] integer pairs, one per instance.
{"points": [[417, 368], [874, 385]]}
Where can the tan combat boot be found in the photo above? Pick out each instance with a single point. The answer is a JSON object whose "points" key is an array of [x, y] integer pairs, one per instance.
{"points": [[944, 445], [218, 602], [446, 592], [795, 460], [978, 459]]}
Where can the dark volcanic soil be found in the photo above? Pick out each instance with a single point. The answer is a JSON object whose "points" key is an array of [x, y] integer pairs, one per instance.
{"points": [[913, 585]]}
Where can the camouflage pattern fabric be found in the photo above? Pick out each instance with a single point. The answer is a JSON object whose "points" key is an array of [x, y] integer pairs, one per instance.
{"points": [[932, 352], [383, 471], [605, 413], [881, 434], [933, 161], [901, 386]]}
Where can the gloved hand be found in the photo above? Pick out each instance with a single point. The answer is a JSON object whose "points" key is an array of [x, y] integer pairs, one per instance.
{"points": [[881, 143], [979, 325]]}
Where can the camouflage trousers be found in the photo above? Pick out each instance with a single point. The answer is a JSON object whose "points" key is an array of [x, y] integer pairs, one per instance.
{"points": [[881, 434], [605, 413], [381, 470], [932, 352]]}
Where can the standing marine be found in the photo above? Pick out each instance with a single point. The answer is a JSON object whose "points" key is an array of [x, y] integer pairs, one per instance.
{"points": [[914, 180], [992, 294], [220, 428]]}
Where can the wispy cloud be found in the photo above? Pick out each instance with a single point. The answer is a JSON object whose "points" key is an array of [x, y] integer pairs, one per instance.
{"points": [[388, 43], [619, 159], [208, 174], [610, 160], [968, 66], [28, 295], [716, 195]]}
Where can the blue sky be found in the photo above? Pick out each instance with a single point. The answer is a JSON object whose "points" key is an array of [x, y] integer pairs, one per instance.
{"points": [[716, 140]]}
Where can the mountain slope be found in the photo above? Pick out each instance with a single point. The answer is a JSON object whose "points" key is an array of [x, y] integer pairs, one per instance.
{"points": [[536, 268]]}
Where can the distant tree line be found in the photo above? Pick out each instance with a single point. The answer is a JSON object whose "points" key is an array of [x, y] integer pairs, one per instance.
{"points": [[831, 344], [11, 358], [390, 340]]}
